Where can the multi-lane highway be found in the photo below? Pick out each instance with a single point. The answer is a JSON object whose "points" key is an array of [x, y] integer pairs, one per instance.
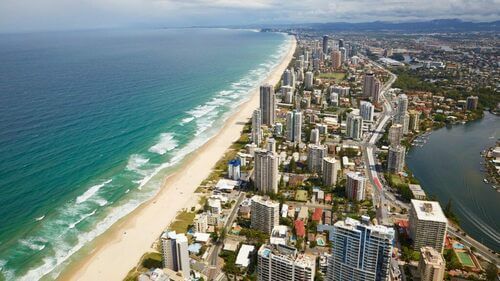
{"points": [[380, 193], [369, 146]]}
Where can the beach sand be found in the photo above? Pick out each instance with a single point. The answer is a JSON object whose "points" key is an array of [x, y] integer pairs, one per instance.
{"points": [[119, 249]]}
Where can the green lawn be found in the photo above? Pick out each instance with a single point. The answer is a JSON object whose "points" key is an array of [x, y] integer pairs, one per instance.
{"points": [[396, 179], [335, 75], [465, 259], [301, 195], [182, 222]]}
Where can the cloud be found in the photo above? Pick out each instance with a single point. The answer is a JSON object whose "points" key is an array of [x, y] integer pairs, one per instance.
{"points": [[68, 14]]}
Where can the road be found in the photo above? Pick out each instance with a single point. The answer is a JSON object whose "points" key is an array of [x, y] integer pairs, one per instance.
{"points": [[369, 149], [213, 257], [380, 194]]}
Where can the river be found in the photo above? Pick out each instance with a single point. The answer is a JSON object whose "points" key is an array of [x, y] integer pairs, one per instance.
{"points": [[449, 166]]}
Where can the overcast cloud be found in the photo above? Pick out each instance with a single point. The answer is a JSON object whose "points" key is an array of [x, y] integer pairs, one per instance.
{"points": [[21, 15]]}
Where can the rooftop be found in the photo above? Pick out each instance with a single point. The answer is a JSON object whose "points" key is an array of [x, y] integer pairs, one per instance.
{"points": [[243, 258], [428, 210]]}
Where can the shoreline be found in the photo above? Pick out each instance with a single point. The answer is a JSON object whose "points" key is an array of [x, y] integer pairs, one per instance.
{"points": [[135, 233]]}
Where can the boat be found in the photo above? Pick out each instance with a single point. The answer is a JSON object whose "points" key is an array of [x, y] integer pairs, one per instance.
{"points": [[485, 180]]}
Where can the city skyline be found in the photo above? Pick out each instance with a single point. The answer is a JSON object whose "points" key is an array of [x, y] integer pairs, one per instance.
{"points": [[67, 15]]}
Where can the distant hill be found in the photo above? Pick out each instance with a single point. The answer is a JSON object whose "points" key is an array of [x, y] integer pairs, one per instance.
{"points": [[439, 25]]}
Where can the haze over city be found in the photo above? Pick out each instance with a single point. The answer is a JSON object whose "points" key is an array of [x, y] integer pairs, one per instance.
{"points": [[26, 15]]}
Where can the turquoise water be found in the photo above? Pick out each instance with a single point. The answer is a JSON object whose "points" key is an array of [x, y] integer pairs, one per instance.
{"points": [[91, 121], [448, 167]]}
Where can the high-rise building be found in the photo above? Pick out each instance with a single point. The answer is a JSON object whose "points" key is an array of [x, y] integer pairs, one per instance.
{"points": [[294, 126], [414, 120], [376, 92], [368, 84], [314, 138], [325, 44], [308, 83], [315, 155], [343, 54], [431, 265], [396, 159], [264, 214], [472, 102], [336, 59], [395, 134], [354, 126], [334, 99], [360, 252], [271, 145], [266, 171], [341, 43], [175, 252], [402, 104], [281, 262], [256, 127], [201, 222], [287, 94], [342, 91], [427, 225], [331, 168], [287, 78], [234, 169], [316, 64], [405, 121], [366, 110], [355, 186], [267, 104]]}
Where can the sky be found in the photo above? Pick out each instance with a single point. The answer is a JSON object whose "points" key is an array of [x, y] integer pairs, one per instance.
{"points": [[27, 15]]}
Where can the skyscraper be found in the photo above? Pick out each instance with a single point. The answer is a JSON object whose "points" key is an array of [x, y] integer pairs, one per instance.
{"points": [[376, 92], [472, 102], [281, 262], [431, 265], [354, 126], [341, 43], [355, 186], [264, 214], [368, 84], [414, 121], [360, 252], [325, 44], [267, 104], [266, 171], [256, 127], [427, 225], [396, 159], [330, 171], [315, 155], [294, 126], [366, 111], [308, 83], [336, 59], [395, 134], [175, 252], [315, 138], [402, 105], [287, 78]]}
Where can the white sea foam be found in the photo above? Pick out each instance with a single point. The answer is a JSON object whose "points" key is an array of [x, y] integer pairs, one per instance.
{"points": [[90, 192], [135, 162], [101, 202], [72, 225], [35, 244], [210, 112], [187, 120], [165, 144]]}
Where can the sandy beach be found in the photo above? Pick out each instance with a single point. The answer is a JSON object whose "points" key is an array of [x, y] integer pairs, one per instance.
{"points": [[119, 249]]}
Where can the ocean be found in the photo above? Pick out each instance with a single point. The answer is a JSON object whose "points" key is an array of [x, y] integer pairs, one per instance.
{"points": [[458, 175], [92, 121]]}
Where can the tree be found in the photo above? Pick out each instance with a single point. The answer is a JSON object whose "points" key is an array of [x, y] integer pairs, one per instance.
{"points": [[293, 165], [491, 272]]}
